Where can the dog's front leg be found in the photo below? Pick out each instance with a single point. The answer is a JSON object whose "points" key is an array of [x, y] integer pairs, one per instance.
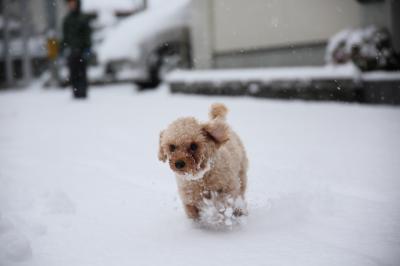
{"points": [[191, 211]]}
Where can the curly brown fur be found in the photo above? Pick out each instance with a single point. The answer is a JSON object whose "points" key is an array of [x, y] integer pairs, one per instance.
{"points": [[206, 158]]}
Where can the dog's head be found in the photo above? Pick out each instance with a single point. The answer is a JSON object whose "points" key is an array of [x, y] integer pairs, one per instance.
{"points": [[189, 146]]}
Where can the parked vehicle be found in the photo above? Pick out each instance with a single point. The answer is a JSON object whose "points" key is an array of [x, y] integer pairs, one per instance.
{"points": [[144, 47]]}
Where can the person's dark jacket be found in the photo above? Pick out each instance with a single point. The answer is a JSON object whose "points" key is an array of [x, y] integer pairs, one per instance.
{"points": [[76, 32]]}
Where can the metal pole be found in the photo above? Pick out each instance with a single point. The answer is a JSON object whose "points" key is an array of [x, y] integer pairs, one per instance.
{"points": [[26, 37], [6, 46]]}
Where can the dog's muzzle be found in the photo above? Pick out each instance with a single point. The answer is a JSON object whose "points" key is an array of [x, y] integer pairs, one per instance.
{"points": [[180, 164]]}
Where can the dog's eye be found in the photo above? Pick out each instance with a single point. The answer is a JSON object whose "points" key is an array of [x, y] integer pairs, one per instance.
{"points": [[193, 147], [172, 148]]}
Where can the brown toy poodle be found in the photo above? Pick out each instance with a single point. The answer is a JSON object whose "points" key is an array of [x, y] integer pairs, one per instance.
{"points": [[210, 164]]}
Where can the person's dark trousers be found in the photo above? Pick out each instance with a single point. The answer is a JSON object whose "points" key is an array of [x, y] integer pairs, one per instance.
{"points": [[78, 75]]}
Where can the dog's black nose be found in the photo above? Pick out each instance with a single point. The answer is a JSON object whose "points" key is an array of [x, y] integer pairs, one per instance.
{"points": [[180, 164]]}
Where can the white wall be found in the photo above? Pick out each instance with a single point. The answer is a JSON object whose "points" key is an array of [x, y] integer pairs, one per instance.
{"points": [[253, 24], [201, 33], [38, 15]]}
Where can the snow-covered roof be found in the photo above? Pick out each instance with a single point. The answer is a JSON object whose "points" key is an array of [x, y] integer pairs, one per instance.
{"points": [[125, 39]]}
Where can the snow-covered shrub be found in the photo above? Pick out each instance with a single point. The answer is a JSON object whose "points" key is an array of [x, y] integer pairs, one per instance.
{"points": [[368, 48]]}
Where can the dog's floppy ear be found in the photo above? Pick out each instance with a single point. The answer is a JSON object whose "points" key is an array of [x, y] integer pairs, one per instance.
{"points": [[162, 156], [217, 131]]}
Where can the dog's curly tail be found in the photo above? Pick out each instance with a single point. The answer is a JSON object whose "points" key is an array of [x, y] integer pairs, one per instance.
{"points": [[218, 110]]}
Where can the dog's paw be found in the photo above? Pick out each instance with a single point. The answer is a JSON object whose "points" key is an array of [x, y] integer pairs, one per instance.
{"points": [[222, 212], [192, 212]]}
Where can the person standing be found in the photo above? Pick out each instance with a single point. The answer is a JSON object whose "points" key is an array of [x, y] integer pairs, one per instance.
{"points": [[76, 45]]}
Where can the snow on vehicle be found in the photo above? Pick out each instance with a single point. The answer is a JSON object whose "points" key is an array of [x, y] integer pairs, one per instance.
{"points": [[144, 47]]}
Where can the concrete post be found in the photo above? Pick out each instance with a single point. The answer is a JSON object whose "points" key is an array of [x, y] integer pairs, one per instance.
{"points": [[9, 71], [26, 37]]}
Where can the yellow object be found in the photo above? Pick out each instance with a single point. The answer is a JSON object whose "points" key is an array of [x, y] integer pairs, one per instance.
{"points": [[53, 47]]}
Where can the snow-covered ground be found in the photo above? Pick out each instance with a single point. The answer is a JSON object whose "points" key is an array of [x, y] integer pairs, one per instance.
{"points": [[80, 183]]}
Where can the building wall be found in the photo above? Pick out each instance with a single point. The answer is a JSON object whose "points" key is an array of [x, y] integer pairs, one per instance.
{"points": [[299, 55], [38, 12], [201, 37], [376, 13], [395, 22], [257, 24], [40, 16], [257, 33]]}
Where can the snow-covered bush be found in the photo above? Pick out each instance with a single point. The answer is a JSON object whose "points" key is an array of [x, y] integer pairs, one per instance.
{"points": [[368, 48]]}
